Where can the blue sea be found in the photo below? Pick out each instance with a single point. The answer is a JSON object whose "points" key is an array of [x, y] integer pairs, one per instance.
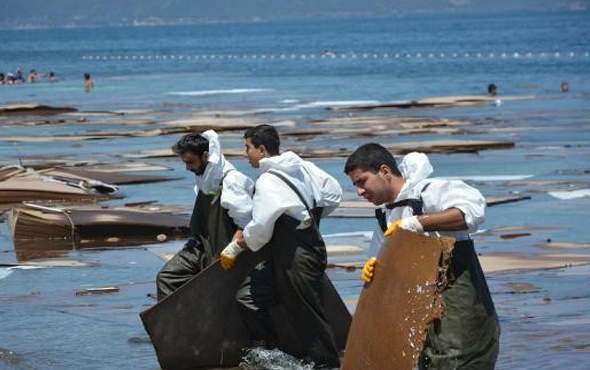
{"points": [[293, 71]]}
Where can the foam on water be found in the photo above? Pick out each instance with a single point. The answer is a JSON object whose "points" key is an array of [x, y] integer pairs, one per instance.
{"points": [[272, 359], [565, 195], [215, 92]]}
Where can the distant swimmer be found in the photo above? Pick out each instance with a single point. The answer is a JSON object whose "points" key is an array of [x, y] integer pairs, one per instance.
{"points": [[492, 90], [88, 84], [565, 87], [52, 77]]}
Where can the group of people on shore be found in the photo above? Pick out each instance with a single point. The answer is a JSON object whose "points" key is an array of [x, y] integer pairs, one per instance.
{"points": [[19, 77], [281, 211]]}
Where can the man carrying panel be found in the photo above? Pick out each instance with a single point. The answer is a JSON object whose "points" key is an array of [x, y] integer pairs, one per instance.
{"points": [[467, 336], [222, 208]]}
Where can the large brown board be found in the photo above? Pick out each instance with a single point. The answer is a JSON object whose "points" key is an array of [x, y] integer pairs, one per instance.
{"points": [[199, 325], [394, 310]]}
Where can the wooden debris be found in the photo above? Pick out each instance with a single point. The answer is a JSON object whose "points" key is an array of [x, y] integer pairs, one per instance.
{"points": [[33, 109], [565, 245], [395, 310], [98, 291], [522, 288], [494, 201], [438, 102], [38, 230], [514, 236]]}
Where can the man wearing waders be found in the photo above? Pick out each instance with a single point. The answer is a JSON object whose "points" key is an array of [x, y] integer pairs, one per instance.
{"points": [[287, 192], [222, 208], [467, 336]]}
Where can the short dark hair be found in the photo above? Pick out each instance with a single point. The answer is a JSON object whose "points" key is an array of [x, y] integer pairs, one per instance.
{"points": [[193, 142], [370, 157], [264, 135]]}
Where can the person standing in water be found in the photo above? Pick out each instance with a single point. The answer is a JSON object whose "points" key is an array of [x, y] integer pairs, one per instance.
{"points": [[222, 208], [288, 200], [467, 336], [88, 84]]}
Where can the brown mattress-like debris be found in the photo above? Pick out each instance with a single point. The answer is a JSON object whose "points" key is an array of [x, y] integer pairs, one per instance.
{"points": [[34, 109], [38, 229], [427, 146], [395, 310], [106, 177], [18, 184]]}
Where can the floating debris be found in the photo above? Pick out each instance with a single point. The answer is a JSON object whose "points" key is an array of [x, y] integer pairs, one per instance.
{"points": [[98, 291]]}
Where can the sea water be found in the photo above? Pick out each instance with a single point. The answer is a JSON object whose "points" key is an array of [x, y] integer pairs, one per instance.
{"points": [[293, 71]]}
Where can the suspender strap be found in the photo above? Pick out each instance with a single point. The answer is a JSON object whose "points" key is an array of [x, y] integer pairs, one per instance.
{"points": [[380, 216], [294, 188], [416, 204]]}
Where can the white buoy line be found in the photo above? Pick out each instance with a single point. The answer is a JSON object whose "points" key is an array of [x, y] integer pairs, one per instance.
{"points": [[349, 55]]}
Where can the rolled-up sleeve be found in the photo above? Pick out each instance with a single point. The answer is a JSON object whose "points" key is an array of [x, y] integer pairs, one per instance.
{"points": [[443, 194], [267, 207], [236, 197]]}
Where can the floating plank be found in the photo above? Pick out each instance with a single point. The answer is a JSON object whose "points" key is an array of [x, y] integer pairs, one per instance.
{"points": [[395, 310], [39, 230], [33, 109], [199, 325], [436, 102]]}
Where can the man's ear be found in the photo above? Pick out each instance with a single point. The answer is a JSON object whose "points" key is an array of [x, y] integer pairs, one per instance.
{"points": [[263, 150], [385, 171], [205, 156]]}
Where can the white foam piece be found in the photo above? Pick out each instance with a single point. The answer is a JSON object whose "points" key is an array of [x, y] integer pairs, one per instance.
{"points": [[4, 272], [216, 92], [566, 195]]}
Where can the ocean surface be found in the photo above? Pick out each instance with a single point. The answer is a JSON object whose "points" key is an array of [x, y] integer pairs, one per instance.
{"points": [[293, 71]]}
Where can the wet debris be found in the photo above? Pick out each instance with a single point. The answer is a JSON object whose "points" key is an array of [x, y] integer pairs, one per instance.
{"points": [[19, 184], [39, 229], [98, 291], [437, 102], [515, 235], [33, 109], [401, 312], [10, 357], [564, 245], [521, 288], [494, 201]]}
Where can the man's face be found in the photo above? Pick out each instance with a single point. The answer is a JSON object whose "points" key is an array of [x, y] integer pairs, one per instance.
{"points": [[374, 187], [194, 163], [254, 154]]}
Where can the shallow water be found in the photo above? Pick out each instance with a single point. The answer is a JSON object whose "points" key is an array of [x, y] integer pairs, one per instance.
{"points": [[47, 326]]}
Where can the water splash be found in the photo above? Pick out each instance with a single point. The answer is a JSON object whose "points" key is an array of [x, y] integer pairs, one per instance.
{"points": [[272, 359]]}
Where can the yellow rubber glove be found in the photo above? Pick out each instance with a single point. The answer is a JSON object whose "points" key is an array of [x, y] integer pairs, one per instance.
{"points": [[409, 223], [369, 270], [393, 227], [229, 255]]}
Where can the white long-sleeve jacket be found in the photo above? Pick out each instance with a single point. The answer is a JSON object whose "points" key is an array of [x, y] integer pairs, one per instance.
{"points": [[238, 188], [273, 197], [439, 196]]}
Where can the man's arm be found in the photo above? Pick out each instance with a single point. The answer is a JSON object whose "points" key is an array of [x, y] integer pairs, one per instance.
{"points": [[451, 219], [236, 197]]}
